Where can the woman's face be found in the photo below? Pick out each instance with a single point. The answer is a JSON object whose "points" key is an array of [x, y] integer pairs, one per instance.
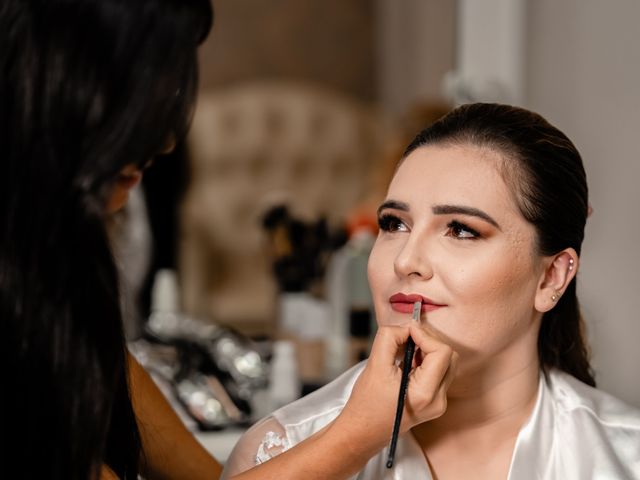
{"points": [[451, 234], [130, 176]]}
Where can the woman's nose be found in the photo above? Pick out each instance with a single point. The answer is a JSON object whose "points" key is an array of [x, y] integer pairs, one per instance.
{"points": [[413, 258]]}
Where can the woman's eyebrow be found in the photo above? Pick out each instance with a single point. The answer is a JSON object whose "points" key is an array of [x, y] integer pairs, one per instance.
{"points": [[442, 210], [393, 204], [463, 210]]}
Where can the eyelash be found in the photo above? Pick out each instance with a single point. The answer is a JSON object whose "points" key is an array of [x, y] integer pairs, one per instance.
{"points": [[458, 227], [391, 223]]}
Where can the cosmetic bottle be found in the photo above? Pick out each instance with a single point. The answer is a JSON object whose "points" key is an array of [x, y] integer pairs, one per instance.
{"points": [[165, 304], [337, 298], [284, 381], [359, 300], [304, 321], [351, 305]]}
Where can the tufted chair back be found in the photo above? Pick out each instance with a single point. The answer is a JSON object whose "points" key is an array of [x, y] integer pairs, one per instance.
{"points": [[252, 146]]}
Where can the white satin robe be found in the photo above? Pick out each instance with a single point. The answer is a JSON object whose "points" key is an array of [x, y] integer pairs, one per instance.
{"points": [[575, 432]]}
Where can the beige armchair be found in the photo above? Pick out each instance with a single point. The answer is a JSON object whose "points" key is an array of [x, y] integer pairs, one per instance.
{"points": [[252, 146]]}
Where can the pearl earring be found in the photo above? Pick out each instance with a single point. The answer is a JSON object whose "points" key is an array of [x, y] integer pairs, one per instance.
{"points": [[555, 296], [571, 262]]}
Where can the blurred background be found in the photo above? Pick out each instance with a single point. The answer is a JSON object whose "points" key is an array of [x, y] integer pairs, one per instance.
{"points": [[263, 219]]}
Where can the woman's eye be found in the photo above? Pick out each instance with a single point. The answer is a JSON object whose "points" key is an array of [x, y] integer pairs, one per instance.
{"points": [[461, 231], [391, 223]]}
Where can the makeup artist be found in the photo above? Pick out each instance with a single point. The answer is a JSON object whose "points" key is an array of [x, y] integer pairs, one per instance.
{"points": [[483, 223], [90, 92]]}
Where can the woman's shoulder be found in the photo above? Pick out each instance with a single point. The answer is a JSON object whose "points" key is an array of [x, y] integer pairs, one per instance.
{"points": [[600, 432], [577, 432], [575, 399], [313, 412]]}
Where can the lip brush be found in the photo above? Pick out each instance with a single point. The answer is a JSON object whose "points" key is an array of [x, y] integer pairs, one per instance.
{"points": [[404, 381]]}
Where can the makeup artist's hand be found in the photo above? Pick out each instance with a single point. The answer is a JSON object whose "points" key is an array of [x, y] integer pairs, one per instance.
{"points": [[374, 397], [435, 365], [364, 426]]}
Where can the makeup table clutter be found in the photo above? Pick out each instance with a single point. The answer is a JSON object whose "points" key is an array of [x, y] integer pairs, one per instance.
{"points": [[219, 381], [214, 404]]}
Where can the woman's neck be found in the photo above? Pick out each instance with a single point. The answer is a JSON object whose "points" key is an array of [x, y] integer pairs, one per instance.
{"points": [[495, 398], [476, 436]]}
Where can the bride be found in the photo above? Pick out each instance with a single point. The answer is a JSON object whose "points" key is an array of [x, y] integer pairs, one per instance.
{"points": [[483, 222]]}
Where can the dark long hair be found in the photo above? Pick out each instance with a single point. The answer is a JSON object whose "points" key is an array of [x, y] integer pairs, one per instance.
{"points": [[86, 87], [546, 175]]}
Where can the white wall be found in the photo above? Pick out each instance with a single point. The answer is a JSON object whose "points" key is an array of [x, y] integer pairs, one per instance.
{"points": [[490, 60], [584, 76]]}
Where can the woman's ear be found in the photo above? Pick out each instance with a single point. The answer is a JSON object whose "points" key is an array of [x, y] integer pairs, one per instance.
{"points": [[560, 269]]}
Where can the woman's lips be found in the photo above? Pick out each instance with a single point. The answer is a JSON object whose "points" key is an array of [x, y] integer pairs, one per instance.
{"points": [[403, 303]]}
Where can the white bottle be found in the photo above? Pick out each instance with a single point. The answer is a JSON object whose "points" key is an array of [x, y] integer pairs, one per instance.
{"points": [[167, 321], [165, 304], [347, 290], [284, 381]]}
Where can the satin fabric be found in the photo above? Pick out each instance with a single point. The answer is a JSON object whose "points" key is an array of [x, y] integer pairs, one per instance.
{"points": [[574, 432]]}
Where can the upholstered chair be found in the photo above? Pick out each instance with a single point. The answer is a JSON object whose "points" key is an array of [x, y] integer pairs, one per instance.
{"points": [[253, 146]]}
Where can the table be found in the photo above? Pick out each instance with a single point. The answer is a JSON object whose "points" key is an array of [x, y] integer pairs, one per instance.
{"points": [[220, 443]]}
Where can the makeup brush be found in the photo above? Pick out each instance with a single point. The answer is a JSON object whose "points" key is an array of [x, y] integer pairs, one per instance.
{"points": [[404, 381]]}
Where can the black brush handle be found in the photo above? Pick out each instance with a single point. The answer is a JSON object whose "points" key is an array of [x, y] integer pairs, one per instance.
{"points": [[404, 381]]}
